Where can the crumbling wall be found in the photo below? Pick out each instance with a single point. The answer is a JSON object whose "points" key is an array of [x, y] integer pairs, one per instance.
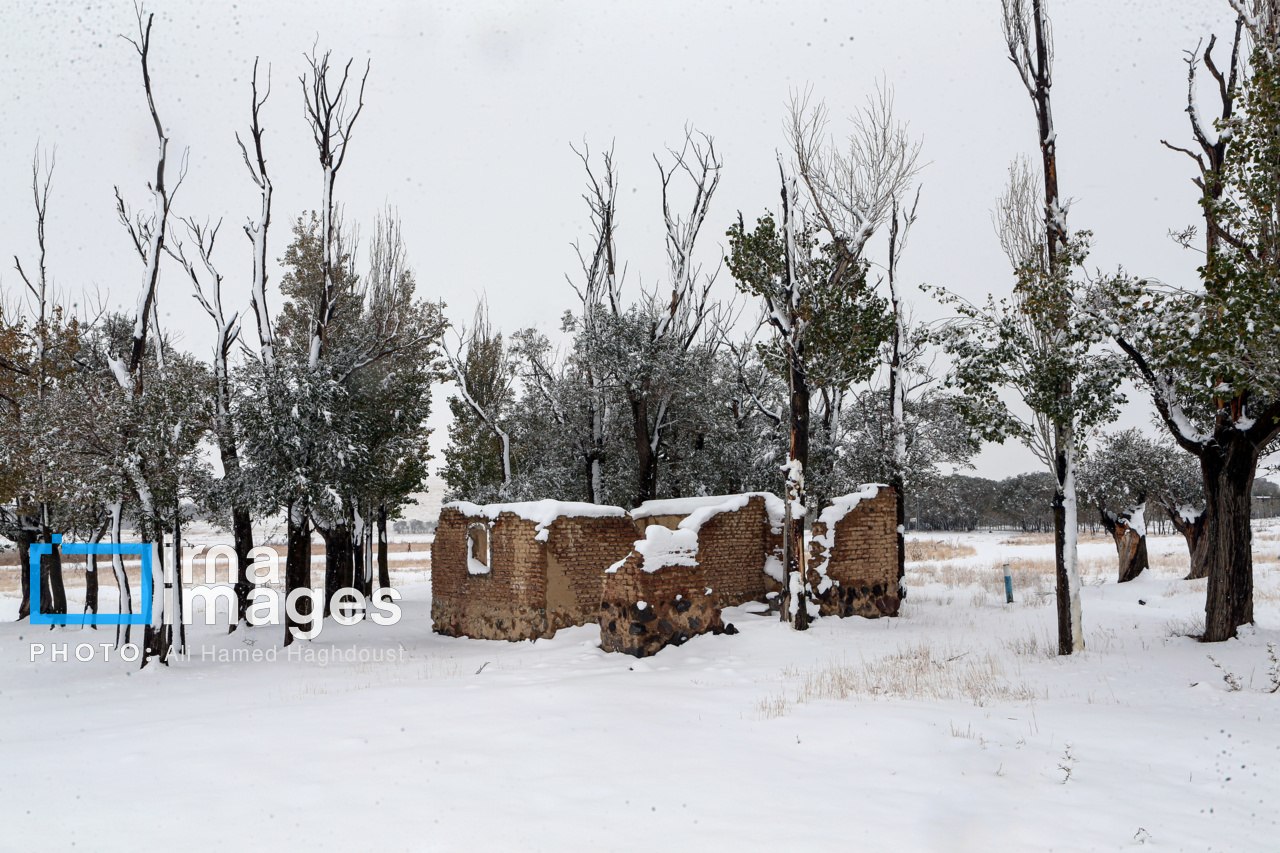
{"points": [[695, 556], [545, 569], [853, 555], [733, 546], [643, 611]]}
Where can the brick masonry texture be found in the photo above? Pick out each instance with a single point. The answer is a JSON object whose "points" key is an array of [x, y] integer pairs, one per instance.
{"points": [[676, 607], [532, 588], [682, 601], [863, 564]]}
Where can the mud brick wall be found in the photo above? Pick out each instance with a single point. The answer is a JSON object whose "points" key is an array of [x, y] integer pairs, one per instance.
{"points": [[585, 547], [675, 608], [863, 563], [508, 603], [732, 547], [532, 588]]}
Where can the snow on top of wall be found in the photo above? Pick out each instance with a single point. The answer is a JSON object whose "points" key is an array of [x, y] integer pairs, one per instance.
{"points": [[678, 506], [700, 509], [844, 504], [662, 547], [542, 513]]}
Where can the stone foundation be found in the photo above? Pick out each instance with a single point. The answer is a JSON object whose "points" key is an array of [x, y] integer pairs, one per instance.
{"points": [[643, 612]]}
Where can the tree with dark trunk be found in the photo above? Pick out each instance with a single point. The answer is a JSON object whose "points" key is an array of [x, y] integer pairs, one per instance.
{"points": [[1207, 354]]}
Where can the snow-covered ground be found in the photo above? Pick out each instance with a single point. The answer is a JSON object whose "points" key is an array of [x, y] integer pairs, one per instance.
{"points": [[954, 727]]}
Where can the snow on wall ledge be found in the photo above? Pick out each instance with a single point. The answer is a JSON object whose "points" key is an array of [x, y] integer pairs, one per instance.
{"points": [[701, 508], [662, 547], [541, 513]]}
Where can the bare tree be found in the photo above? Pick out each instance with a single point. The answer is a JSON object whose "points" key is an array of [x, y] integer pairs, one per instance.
{"points": [[148, 234], [40, 301], [674, 319], [256, 230], [209, 295], [600, 292], [332, 120], [852, 188]]}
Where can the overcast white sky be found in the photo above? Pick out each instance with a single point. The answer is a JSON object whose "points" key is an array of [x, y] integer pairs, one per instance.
{"points": [[471, 109]]}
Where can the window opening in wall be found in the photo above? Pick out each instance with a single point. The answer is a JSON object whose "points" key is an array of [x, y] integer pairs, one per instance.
{"points": [[478, 551]]}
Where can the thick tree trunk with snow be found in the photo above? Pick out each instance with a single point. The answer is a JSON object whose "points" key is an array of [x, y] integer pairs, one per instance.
{"points": [[1066, 534], [799, 455], [1192, 527], [1229, 468], [1130, 535]]}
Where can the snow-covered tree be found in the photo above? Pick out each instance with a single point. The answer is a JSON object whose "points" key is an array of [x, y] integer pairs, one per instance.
{"points": [[1038, 346], [478, 456], [1207, 352]]}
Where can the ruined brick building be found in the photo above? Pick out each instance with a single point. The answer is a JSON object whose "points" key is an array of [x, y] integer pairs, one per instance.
{"points": [[655, 576]]}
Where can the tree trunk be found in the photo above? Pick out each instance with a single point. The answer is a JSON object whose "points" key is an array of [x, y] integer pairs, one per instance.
{"points": [[799, 453], [91, 575], [646, 459], [1193, 531], [242, 531], [1131, 545], [153, 635], [900, 499], [125, 605], [359, 569], [297, 566], [1065, 532], [1228, 468], [177, 627], [25, 539], [53, 595], [338, 562], [1131, 548], [384, 572]]}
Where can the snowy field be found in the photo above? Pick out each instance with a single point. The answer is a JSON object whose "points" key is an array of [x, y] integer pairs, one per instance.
{"points": [[954, 727]]}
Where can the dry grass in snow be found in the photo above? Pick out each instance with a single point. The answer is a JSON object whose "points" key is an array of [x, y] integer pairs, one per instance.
{"points": [[936, 549]]}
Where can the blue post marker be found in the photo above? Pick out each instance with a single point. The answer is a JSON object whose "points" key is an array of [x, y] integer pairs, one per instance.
{"points": [[1008, 585]]}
